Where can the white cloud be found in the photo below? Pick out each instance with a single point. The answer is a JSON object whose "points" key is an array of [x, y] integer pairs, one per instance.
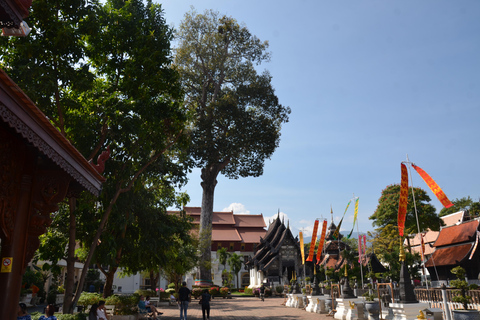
{"points": [[237, 208]]}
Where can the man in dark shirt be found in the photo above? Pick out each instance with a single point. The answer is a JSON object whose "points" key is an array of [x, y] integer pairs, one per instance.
{"points": [[184, 295]]}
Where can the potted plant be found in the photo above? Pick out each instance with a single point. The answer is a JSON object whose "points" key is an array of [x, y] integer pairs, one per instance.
{"points": [[371, 306], [461, 296], [197, 292], [224, 292]]}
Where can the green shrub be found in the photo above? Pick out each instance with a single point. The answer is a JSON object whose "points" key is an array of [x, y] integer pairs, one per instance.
{"points": [[213, 291], [88, 298], [164, 295], [127, 304], [248, 291], [197, 292], [114, 299], [146, 293], [169, 291], [171, 285], [279, 289]]}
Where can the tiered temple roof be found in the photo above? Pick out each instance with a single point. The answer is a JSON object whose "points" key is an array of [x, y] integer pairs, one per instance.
{"points": [[268, 251]]}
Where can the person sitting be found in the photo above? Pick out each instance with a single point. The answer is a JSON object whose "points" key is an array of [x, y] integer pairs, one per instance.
{"points": [[151, 307], [101, 311], [49, 313], [92, 315], [173, 300], [22, 313], [142, 308]]}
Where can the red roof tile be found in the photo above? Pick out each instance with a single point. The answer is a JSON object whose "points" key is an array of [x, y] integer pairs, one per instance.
{"points": [[449, 255], [251, 235], [223, 218], [225, 233], [457, 234], [249, 220]]}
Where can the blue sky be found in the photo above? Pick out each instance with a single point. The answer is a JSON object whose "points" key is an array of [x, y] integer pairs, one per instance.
{"points": [[368, 82]]}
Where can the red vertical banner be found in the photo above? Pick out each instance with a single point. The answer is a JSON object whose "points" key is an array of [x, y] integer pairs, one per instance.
{"points": [[313, 242], [402, 202], [434, 187], [322, 240]]}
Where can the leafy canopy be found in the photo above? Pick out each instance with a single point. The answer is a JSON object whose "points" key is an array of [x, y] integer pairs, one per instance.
{"points": [[236, 114]]}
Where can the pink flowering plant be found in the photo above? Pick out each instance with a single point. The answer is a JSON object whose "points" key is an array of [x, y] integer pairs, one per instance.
{"points": [[213, 291]]}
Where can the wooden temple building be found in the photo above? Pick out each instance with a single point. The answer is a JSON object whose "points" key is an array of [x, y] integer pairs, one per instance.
{"points": [[277, 257], [456, 245], [38, 169]]}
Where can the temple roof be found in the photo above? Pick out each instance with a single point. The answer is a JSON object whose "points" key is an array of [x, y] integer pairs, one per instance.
{"points": [[227, 226], [21, 114], [269, 248], [457, 234], [449, 256]]}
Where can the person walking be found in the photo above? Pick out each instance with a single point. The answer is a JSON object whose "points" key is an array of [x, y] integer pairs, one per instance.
{"points": [[184, 296], [205, 301], [262, 292]]}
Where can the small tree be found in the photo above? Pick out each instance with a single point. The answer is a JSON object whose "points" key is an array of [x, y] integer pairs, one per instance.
{"points": [[223, 256], [235, 263], [461, 284]]}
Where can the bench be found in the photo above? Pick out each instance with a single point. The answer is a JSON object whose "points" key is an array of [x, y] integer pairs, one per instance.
{"points": [[109, 310], [154, 301]]}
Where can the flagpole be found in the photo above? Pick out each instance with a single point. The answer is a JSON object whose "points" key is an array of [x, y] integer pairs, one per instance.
{"points": [[361, 263], [418, 224]]}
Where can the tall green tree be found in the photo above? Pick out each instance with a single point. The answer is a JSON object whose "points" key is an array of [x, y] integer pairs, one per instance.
{"points": [[237, 116], [102, 72], [465, 203], [235, 263], [385, 217]]}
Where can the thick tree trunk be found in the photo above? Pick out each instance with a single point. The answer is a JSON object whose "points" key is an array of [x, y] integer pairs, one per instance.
{"points": [[209, 181], [70, 282], [154, 276], [107, 288]]}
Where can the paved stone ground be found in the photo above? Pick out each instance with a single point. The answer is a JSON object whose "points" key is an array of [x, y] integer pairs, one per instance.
{"points": [[242, 309]]}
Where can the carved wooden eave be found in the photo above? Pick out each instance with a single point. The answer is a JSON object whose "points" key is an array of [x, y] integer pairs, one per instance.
{"points": [[12, 12], [21, 114]]}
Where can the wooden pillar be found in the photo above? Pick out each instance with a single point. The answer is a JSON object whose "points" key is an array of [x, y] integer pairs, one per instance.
{"points": [[31, 186], [14, 249]]}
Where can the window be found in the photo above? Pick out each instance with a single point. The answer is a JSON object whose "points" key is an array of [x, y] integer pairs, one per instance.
{"points": [[243, 246], [219, 246], [245, 279], [232, 246]]}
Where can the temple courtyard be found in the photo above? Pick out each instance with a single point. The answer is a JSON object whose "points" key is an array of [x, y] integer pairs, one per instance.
{"points": [[242, 309]]}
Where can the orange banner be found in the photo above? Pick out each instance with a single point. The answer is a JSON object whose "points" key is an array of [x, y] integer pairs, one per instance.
{"points": [[322, 240], [312, 243], [302, 249], [403, 200], [434, 187]]}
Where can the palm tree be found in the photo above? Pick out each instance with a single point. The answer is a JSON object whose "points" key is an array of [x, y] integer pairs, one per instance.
{"points": [[235, 264], [223, 256]]}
